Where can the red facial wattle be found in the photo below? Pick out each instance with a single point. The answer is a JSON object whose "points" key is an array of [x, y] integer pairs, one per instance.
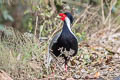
{"points": [[62, 16]]}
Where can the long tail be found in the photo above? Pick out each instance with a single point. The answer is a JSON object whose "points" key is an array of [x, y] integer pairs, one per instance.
{"points": [[48, 59]]}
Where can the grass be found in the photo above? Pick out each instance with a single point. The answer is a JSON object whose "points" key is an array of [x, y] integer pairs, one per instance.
{"points": [[19, 58]]}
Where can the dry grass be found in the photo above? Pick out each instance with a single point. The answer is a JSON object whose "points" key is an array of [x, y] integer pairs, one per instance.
{"points": [[19, 55]]}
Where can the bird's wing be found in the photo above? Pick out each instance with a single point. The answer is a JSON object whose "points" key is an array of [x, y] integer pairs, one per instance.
{"points": [[54, 40], [49, 55]]}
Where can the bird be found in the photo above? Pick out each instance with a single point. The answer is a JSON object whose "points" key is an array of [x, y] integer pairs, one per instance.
{"points": [[65, 40]]}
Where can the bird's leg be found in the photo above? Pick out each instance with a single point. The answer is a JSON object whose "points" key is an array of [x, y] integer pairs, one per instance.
{"points": [[66, 67]]}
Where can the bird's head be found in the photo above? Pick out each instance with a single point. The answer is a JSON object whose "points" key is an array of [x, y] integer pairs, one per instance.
{"points": [[65, 16]]}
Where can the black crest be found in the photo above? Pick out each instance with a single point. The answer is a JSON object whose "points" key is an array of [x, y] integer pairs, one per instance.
{"points": [[69, 16]]}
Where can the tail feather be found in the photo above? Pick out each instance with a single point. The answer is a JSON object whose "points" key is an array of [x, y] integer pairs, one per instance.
{"points": [[48, 59]]}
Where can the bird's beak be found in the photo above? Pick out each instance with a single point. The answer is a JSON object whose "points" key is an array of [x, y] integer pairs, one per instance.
{"points": [[62, 16]]}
